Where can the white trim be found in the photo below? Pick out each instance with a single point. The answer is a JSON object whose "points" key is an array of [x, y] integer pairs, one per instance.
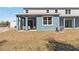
{"points": [[26, 22], [47, 21], [33, 30], [71, 28], [19, 20], [74, 22], [64, 22], [17, 23]]}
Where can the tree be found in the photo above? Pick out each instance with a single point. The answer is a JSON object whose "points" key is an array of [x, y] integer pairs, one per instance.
{"points": [[4, 24], [7, 23]]}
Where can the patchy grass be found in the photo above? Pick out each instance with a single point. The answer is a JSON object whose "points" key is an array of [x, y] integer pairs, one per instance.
{"points": [[39, 41]]}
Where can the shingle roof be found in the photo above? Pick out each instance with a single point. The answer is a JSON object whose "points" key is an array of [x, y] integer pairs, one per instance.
{"points": [[51, 8]]}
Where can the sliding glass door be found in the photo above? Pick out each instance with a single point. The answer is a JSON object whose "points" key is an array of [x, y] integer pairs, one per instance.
{"points": [[68, 23]]}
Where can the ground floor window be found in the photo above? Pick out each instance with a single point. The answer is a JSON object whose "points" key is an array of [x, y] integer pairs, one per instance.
{"points": [[47, 20], [68, 23]]}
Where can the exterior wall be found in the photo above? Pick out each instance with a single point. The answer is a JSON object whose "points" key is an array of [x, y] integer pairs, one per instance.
{"points": [[52, 11], [61, 22], [37, 11], [74, 12], [77, 22], [40, 27]]}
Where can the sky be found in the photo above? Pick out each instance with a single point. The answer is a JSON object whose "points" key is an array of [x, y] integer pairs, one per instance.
{"points": [[9, 8], [9, 13]]}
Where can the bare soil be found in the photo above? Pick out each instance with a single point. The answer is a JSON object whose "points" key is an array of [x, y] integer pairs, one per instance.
{"points": [[39, 41]]}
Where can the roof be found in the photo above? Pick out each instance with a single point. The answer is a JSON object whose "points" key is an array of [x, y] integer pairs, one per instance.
{"points": [[51, 8], [35, 14]]}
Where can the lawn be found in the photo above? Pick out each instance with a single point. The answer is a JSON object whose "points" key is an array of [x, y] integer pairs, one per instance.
{"points": [[11, 40]]}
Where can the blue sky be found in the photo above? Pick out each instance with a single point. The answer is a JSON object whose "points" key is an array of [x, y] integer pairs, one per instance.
{"points": [[9, 13]]}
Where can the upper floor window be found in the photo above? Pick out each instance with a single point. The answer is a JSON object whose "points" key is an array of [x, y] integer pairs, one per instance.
{"points": [[47, 20], [47, 11], [56, 11], [67, 11], [26, 11]]}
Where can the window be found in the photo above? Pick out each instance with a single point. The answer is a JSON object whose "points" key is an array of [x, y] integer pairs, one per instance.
{"points": [[56, 11], [47, 11], [47, 21], [67, 11], [26, 11]]}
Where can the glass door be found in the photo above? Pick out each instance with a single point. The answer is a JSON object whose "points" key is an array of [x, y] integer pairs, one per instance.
{"points": [[32, 23], [68, 23]]}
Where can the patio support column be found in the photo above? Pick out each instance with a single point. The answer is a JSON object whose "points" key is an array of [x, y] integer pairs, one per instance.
{"points": [[64, 22], [26, 23], [74, 22], [17, 23], [33, 23]]}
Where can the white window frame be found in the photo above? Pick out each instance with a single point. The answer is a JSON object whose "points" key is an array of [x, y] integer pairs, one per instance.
{"points": [[67, 11], [47, 21]]}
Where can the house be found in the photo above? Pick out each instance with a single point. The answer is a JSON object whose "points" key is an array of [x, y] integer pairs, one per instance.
{"points": [[48, 19], [12, 24]]}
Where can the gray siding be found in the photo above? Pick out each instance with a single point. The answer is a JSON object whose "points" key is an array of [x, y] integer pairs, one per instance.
{"points": [[77, 22], [74, 12], [40, 27]]}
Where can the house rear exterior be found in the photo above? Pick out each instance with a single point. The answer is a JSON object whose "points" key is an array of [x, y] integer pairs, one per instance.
{"points": [[47, 19]]}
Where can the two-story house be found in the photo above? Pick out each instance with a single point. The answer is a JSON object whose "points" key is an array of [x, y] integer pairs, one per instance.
{"points": [[47, 19]]}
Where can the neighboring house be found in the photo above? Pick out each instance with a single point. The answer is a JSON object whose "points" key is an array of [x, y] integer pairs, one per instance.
{"points": [[47, 19], [12, 24]]}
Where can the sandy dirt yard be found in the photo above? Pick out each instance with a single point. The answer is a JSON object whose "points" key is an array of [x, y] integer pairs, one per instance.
{"points": [[39, 41]]}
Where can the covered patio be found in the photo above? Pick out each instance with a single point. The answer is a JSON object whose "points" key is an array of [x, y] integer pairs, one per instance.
{"points": [[69, 22], [26, 23], [29, 21]]}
